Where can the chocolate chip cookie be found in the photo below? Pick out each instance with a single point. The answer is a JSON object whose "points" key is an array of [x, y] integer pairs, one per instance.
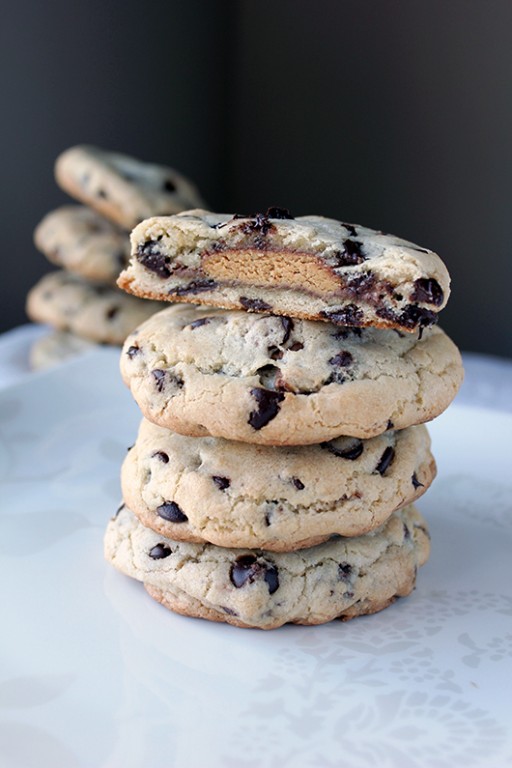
{"points": [[55, 348], [83, 242], [122, 188], [341, 578], [273, 380], [307, 267], [99, 313], [275, 498]]}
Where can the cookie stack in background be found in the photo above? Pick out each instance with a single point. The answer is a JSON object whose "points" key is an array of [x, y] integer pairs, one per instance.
{"points": [[282, 444], [90, 243]]}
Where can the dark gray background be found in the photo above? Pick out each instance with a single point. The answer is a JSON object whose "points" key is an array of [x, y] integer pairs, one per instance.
{"points": [[396, 115]]}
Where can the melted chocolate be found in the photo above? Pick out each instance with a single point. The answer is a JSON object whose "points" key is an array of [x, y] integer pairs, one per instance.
{"points": [[247, 568], [170, 511], [352, 452], [268, 407], [385, 460]]}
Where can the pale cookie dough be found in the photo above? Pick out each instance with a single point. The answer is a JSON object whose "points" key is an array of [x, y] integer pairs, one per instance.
{"points": [[101, 314], [81, 241], [123, 189], [276, 498], [309, 267], [56, 348], [341, 578], [276, 381]]}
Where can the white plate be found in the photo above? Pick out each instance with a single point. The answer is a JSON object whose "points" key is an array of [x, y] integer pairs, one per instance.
{"points": [[96, 674]]}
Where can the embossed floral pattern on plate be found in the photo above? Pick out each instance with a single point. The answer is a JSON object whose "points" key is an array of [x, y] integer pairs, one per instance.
{"points": [[96, 673]]}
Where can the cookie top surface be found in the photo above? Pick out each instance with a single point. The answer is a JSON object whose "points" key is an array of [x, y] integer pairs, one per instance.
{"points": [[340, 578], [122, 188], [270, 379], [81, 241], [102, 314], [307, 267], [276, 498]]}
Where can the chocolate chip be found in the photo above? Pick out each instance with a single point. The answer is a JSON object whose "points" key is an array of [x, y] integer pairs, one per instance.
{"points": [[386, 313], [112, 312], [272, 579], [159, 551], [351, 452], [385, 460], [256, 305], [390, 424], [169, 185], [414, 316], [247, 568], [416, 483], [298, 483], [159, 377], [259, 223], [150, 257], [342, 360], [361, 286], [132, 351], [196, 286], [275, 353], [278, 213], [345, 571], [169, 510], [288, 327], [198, 323], [229, 611], [296, 346], [268, 407], [165, 379], [350, 255], [344, 333], [221, 482], [350, 229], [161, 456], [427, 290], [348, 315]]}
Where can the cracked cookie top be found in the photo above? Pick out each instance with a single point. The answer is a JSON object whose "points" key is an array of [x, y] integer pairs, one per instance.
{"points": [[341, 578], [276, 498], [263, 378]]}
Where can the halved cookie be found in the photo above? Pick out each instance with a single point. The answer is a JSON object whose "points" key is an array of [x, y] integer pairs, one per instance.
{"points": [[309, 267]]}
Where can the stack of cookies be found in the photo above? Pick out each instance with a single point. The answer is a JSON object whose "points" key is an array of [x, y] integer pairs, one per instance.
{"points": [[283, 440], [90, 243]]}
